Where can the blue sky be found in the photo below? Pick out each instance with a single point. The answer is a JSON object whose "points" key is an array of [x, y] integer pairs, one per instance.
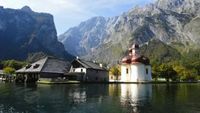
{"points": [[69, 13]]}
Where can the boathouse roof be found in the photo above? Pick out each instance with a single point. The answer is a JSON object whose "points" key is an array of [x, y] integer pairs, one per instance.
{"points": [[87, 64], [46, 65]]}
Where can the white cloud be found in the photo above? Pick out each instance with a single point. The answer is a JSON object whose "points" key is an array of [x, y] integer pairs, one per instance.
{"points": [[68, 13]]}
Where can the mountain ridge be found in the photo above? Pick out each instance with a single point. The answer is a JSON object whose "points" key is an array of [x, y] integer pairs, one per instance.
{"points": [[171, 21], [23, 32]]}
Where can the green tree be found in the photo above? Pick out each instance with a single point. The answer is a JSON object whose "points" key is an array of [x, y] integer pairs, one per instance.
{"points": [[196, 65], [14, 64], [155, 72], [189, 75], [115, 70], [9, 70], [167, 72], [186, 74]]}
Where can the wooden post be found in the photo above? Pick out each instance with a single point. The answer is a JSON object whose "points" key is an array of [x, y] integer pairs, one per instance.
{"points": [[38, 76], [25, 80]]}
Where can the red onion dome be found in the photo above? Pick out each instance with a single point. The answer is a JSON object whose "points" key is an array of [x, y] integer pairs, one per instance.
{"points": [[141, 59], [134, 59], [126, 60]]}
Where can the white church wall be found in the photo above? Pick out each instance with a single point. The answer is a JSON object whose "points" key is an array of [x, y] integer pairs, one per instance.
{"points": [[125, 77], [149, 74], [136, 73]]}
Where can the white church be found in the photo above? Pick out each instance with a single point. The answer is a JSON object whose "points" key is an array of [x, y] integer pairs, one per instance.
{"points": [[135, 67]]}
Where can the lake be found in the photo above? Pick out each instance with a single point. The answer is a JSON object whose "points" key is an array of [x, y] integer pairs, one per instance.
{"points": [[100, 98]]}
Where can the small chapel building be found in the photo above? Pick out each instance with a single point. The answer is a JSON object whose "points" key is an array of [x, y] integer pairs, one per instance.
{"points": [[135, 67]]}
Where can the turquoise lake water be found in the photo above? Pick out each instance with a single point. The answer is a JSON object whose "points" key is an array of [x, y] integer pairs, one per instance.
{"points": [[100, 98]]}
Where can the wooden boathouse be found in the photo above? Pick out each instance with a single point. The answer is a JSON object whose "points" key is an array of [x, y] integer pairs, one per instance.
{"points": [[48, 69]]}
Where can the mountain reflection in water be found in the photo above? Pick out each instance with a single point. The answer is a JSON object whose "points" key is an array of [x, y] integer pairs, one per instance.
{"points": [[100, 98]]}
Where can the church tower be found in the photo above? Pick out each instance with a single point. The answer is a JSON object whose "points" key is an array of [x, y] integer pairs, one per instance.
{"points": [[135, 67]]}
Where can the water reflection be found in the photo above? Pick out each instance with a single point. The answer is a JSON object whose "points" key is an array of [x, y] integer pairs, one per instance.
{"points": [[78, 97], [99, 98], [136, 92], [135, 96]]}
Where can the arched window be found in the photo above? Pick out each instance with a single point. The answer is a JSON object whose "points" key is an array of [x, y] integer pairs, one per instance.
{"points": [[126, 70], [147, 71]]}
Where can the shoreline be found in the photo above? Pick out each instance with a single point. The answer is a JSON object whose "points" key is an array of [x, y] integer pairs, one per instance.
{"points": [[151, 82], [112, 82]]}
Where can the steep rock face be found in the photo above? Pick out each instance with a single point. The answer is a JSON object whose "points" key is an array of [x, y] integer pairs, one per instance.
{"points": [[84, 38], [180, 6], [166, 20], [24, 31]]}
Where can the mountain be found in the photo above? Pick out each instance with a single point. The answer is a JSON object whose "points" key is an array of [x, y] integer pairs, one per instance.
{"points": [[24, 32], [175, 23], [88, 35]]}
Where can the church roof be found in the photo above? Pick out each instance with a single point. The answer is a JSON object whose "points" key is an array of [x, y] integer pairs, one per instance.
{"points": [[46, 65], [88, 64], [134, 56]]}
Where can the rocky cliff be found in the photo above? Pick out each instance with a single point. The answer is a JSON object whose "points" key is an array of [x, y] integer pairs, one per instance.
{"points": [[24, 32], [107, 39]]}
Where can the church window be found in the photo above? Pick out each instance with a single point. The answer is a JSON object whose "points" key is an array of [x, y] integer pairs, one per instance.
{"points": [[147, 71], [126, 70]]}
